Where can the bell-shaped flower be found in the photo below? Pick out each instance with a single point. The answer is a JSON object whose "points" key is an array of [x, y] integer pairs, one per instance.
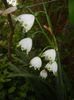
{"points": [[12, 2], [50, 55], [36, 63], [43, 73], [26, 44], [27, 21], [52, 67]]}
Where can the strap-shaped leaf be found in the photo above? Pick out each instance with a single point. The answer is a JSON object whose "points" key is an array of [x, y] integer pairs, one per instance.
{"points": [[71, 11]]}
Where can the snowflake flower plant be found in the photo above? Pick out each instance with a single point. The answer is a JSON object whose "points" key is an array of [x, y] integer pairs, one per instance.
{"points": [[36, 63], [27, 21], [49, 55], [26, 44], [52, 67]]}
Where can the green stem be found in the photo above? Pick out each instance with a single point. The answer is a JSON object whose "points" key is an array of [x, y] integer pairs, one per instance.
{"points": [[49, 41], [60, 83], [44, 32]]}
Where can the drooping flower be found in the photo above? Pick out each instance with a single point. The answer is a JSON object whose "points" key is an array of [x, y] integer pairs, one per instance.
{"points": [[12, 2], [43, 73], [36, 62], [50, 55], [26, 44], [52, 67], [27, 21]]}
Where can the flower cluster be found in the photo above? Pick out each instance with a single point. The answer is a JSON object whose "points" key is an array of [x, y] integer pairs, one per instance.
{"points": [[27, 21], [50, 56]]}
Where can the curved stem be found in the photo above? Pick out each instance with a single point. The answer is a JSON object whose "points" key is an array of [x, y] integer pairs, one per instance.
{"points": [[49, 41], [60, 83]]}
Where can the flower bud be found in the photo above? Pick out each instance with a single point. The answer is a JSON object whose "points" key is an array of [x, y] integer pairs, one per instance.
{"points": [[43, 73]]}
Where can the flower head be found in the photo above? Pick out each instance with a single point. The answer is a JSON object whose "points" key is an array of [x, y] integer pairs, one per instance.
{"points": [[26, 44], [49, 55], [27, 21], [52, 67], [36, 62], [12, 2], [43, 73]]}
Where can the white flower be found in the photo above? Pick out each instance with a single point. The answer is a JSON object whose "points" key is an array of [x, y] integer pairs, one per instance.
{"points": [[49, 55], [43, 73], [52, 67], [26, 44], [27, 21], [12, 2], [36, 62]]}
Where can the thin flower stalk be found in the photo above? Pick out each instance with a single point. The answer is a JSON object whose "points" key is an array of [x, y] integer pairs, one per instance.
{"points": [[59, 78]]}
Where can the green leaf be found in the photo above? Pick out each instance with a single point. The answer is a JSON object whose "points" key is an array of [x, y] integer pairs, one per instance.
{"points": [[43, 90], [11, 90], [71, 11]]}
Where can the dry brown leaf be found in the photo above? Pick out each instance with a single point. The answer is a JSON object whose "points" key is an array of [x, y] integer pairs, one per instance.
{"points": [[1, 12], [9, 10]]}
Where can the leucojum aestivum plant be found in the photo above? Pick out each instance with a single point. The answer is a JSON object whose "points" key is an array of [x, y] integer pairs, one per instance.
{"points": [[48, 59]]}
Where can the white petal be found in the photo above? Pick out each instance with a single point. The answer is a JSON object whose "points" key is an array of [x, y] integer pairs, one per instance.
{"points": [[36, 63], [26, 44], [52, 67], [9, 1], [27, 21], [12, 2], [43, 73], [49, 55]]}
